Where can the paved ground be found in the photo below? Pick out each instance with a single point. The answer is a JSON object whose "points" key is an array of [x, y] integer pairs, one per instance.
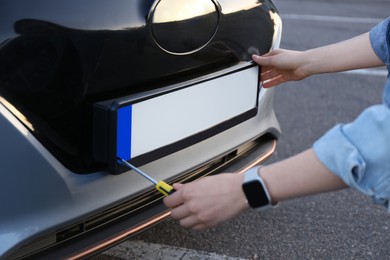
{"points": [[341, 225]]}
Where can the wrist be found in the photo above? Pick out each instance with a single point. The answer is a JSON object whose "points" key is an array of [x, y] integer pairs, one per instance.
{"points": [[242, 201], [307, 65]]}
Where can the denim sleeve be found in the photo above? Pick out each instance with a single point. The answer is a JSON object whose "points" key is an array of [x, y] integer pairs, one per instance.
{"points": [[379, 38], [359, 152], [380, 42]]}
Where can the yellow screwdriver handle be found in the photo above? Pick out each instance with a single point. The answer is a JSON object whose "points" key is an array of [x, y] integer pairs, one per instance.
{"points": [[165, 188]]}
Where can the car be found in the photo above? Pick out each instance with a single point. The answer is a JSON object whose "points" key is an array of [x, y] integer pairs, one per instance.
{"points": [[167, 85]]}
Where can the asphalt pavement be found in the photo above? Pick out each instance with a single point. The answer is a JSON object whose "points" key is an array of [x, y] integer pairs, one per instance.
{"points": [[339, 225]]}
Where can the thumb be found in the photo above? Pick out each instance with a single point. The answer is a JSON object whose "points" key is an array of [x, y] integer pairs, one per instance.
{"points": [[261, 60], [178, 186]]}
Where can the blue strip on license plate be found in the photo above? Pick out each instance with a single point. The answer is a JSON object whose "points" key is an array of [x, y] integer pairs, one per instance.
{"points": [[123, 145]]}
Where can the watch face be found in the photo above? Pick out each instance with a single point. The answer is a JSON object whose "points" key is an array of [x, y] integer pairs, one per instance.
{"points": [[255, 194]]}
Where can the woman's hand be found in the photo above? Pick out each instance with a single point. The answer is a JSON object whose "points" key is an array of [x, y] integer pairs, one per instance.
{"points": [[279, 66], [208, 201]]}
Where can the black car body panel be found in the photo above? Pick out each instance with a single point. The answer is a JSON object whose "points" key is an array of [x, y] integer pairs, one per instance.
{"points": [[60, 58]]}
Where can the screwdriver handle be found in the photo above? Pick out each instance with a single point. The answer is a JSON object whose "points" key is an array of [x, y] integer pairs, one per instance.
{"points": [[165, 188]]}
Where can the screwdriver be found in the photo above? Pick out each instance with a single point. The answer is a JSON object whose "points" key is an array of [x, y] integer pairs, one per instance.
{"points": [[161, 186]]}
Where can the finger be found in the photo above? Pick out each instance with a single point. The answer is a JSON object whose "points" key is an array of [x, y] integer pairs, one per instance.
{"points": [[266, 69], [175, 199], [180, 212], [190, 222], [268, 54], [177, 186], [273, 52], [273, 82], [262, 60], [269, 74], [200, 227]]}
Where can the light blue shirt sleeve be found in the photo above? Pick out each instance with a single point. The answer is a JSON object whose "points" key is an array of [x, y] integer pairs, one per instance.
{"points": [[359, 152]]}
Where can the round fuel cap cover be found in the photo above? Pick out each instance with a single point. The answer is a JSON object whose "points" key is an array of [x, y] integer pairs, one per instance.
{"points": [[182, 27]]}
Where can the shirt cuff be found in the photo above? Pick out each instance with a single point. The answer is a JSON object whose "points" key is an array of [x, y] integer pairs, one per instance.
{"points": [[358, 153], [379, 36], [340, 156]]}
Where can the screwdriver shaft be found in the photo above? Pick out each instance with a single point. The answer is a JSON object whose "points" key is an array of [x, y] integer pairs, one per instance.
{"points": [[139, 171]]}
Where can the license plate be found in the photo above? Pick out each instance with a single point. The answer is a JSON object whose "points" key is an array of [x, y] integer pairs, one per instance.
{"points": [[148, 128]]}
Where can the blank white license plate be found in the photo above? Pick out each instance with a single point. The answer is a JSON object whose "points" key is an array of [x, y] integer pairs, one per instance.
{"points": [[177, 119]]}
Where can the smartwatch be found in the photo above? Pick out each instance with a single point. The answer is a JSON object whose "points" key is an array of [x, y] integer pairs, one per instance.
{"points": [[255, 190]]}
